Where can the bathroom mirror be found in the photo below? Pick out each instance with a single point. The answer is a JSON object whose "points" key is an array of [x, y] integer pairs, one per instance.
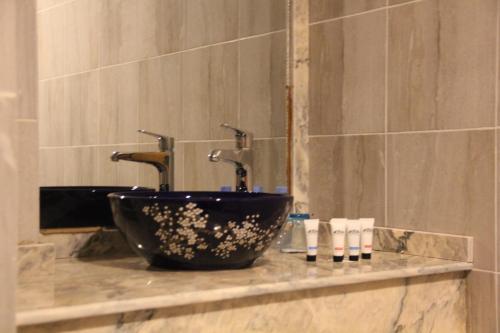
{"points": [[179, 68]]}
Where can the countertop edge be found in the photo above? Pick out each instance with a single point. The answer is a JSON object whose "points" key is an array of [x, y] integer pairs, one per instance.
{"points": [[42, 316]]}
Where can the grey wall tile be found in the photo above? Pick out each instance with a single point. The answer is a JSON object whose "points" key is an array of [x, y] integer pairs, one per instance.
{"points": [[81, 35], [347, 84], [444, 182], [327, 9], [210, 21], [269, 163], [81, 109], [209, 91], [119, 104], [49, 167], [51, 113], [160, 103], [261, 16], [481, 299], [135, 29], [442, 65], [120, 173], [51, 27], [263, 85], [79, 166], [347, 177], [200, 173]]}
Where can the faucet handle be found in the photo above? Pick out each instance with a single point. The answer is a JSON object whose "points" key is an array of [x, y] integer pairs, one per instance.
{"points": [[165, 143], [243, 138]]}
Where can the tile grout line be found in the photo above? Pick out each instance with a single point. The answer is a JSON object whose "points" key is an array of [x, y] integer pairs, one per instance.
{"points": [[194, 49], [46, 9], [383, 8], [152, 143], [409, 132]]}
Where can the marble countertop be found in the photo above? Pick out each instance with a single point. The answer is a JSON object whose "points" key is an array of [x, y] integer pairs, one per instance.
{"points": [[85, 288]]}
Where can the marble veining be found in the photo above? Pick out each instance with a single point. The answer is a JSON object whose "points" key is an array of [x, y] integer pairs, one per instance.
{"points": [[35, 261], [427, 244], [85, 288], [432, 303], [91, 244]]}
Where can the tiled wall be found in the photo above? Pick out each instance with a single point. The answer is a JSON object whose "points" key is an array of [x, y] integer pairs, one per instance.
{"points": [[404, 123], [18, 144], [177, 67]]}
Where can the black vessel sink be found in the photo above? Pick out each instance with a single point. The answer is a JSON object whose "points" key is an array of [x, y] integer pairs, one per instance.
{"points": [[77, 206], [199, 230]]}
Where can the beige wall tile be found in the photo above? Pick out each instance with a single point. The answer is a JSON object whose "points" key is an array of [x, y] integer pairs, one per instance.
{"points": [[347, 177], [210, 21], [200, 173], [269, 164], [442, 65], [444, 182], [81, 109], [119, 104], [347, 75], [397, 2], [81, 36], [261, 16], [262, 85], [51, 48], [79, 166], [51, 113], [26, 55], [481, 300], [326, 9], [28, 214], [209, 91], [160, 103]]}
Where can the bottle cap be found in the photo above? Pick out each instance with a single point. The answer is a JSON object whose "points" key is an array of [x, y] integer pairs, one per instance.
{"points": [[226, 188], [353, 258], [281, 189], [338, 258], [311, 258], [257, 189], [366, 256]]}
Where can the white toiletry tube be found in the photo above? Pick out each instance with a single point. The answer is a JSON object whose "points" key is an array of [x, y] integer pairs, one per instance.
{"points": [[337, 229], [311, 227], [353, 238], [367, 237]]}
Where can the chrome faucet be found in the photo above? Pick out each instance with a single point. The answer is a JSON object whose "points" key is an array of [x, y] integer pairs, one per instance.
{"points": [[241, 157], [162, 160]]}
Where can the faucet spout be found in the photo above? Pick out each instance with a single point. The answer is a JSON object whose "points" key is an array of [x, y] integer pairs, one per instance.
{"points": [[240, 156], [162, 161]]}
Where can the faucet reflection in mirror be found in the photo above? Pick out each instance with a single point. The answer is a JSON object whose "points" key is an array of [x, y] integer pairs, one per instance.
{"points": [[241, 157], [162, 160]]}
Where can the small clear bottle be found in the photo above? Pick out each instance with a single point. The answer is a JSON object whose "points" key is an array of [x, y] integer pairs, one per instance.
{"points": [[292, 238]]}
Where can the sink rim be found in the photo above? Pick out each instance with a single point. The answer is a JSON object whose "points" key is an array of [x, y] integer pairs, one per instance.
{"points": [[199, 196]]}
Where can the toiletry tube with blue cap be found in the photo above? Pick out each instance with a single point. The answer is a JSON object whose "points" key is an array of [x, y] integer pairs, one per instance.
{"points": [[353, 238], [337, 230], [311, 227], [367, 237], [226, 188]]}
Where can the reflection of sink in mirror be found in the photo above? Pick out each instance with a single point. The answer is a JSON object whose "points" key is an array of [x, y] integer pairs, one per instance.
{"points": [[77, 206], [199, 230]]}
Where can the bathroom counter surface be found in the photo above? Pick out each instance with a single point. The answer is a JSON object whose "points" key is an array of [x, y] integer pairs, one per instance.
{"points": [[85, 288]]}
